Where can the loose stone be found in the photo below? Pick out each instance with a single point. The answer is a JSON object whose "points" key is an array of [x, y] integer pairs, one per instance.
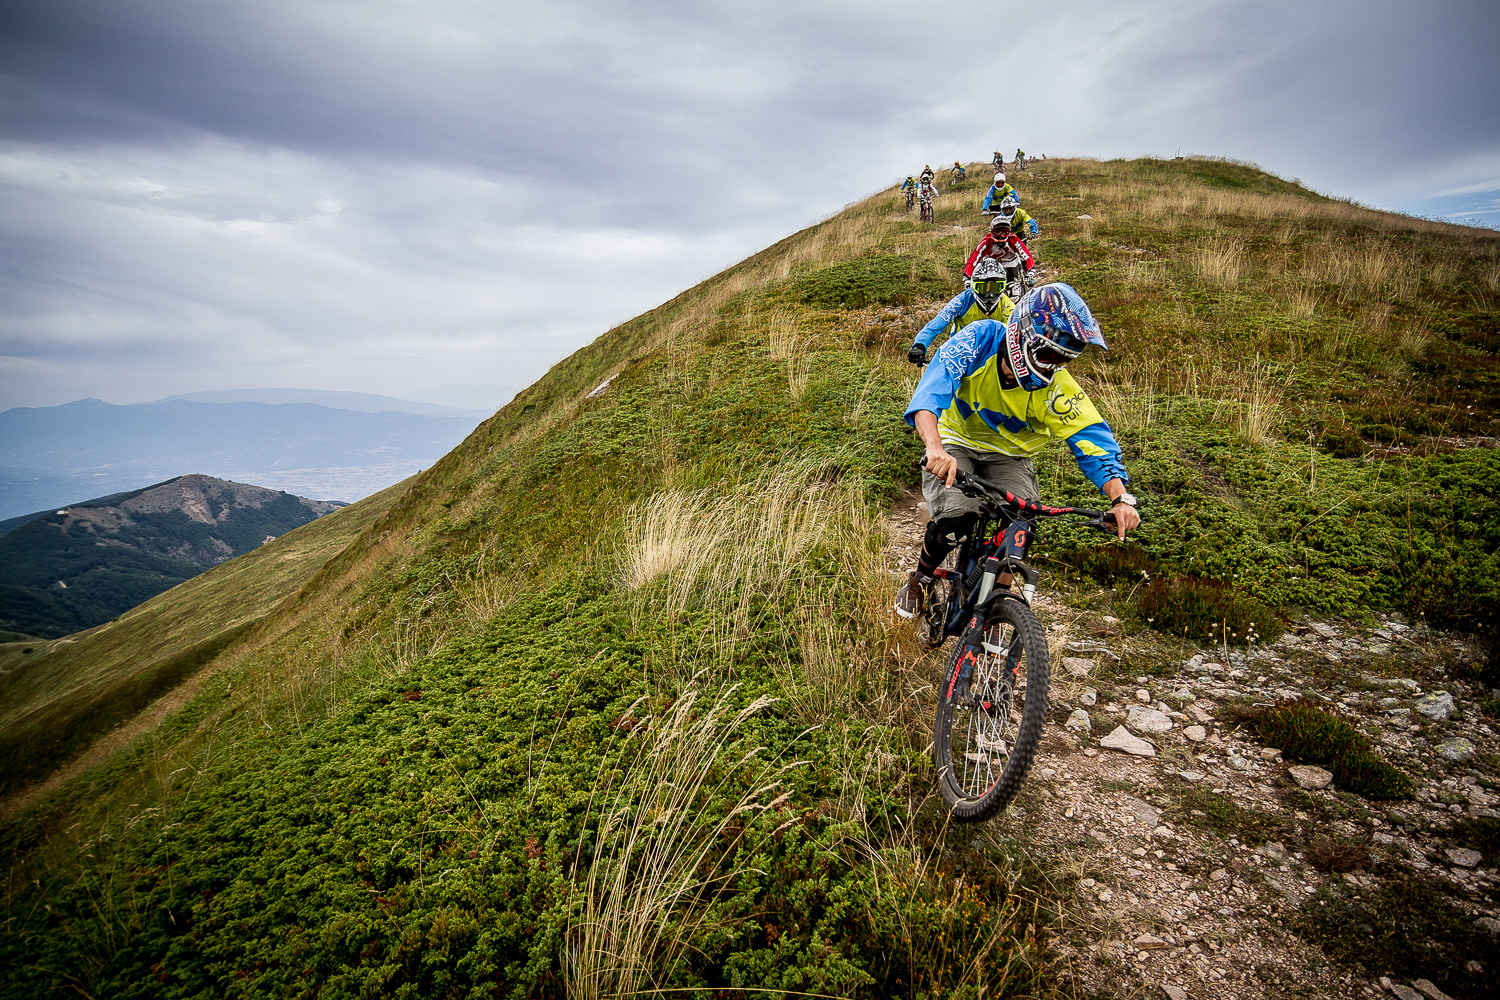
{"points": [[1077, 666], [1310, 776], [1123, 740], [1457, 750], [1079, 721], [1147, 720], [1196, 734], [1429, 988], [1436, 706]]}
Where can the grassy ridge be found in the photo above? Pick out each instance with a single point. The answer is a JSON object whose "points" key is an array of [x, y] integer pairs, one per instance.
{"points": [[418, 775], [57, 696]]}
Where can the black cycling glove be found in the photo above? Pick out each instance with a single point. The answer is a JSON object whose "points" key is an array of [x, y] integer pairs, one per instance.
{"points": [[917, 355]]}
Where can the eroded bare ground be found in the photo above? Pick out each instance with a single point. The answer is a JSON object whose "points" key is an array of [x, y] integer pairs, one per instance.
{"points": [[1207, 870]]}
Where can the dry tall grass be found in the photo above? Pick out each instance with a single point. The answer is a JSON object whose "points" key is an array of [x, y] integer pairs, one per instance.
{"points": [[781, 334], [1302, 302], [1220, 261], [713, 546], [661, 846]]}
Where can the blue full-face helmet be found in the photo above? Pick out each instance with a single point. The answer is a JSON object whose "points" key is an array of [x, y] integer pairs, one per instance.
{"points": [[1049, 327]]}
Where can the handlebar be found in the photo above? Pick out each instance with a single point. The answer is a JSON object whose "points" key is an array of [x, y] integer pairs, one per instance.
{"points": [[973, 486]]}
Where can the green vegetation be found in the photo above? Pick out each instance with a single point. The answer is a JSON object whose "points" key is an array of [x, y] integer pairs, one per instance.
{"points": [[882, 278], [71, 570], [1207, 611], [1310, 734], [55, 697], [1405, 927], [449, 755], [1196, 805]]}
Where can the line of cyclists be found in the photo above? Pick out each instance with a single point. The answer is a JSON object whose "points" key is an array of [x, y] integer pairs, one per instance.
{"points": [[999, 270]]}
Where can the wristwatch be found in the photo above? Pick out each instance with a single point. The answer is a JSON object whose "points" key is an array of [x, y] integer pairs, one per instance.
{"points": [[1126, 498]]}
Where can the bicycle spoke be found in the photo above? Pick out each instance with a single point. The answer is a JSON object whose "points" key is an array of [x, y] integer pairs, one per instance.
{"points": [[984, 727]]}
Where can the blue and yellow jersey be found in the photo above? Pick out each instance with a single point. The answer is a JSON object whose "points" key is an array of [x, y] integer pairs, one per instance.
{"points": [[964, 386], [994, 196], [960, 311]]}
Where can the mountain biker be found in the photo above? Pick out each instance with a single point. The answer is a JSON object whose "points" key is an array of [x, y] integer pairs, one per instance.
{"points": [[927, 173], [1020, 158], [998, 191], [927, 191], [993, 396], [1001, 243], [1020, 223], [998, 160], [983, 298], [910, 184], [958, 172]]}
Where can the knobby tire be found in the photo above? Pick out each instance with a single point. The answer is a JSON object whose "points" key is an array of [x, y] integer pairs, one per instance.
{"points": [[980, 726]]}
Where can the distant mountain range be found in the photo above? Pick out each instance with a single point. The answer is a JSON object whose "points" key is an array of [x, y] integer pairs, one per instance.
{"points": [[329, 445], [79, 566], [362, 402]]}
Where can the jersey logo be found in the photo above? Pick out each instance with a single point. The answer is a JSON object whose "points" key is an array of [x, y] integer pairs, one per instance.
{"points": [[1063, 405]]}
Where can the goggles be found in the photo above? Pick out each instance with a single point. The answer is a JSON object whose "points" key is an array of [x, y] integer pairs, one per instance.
{"points": [[1048, 355], [989, 287]]}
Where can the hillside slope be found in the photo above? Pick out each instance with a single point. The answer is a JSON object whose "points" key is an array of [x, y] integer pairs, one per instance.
{"points": [[609, 698], [82, 565]]}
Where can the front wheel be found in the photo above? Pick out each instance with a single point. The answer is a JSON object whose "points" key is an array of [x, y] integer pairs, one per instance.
{"points": [[992, 707], [926, 212]]}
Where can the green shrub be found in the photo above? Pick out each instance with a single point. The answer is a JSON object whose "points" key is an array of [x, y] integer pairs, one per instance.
{"points": [[1344, 441], [1207, 611], [1111, 564], [875, 279], [1419, 929], [1310, 734]]}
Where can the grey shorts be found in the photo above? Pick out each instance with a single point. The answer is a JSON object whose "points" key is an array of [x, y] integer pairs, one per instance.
{"points": [[1014, 474]]}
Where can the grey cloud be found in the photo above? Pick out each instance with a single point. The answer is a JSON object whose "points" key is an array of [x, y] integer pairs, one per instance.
{"points": [[367, 195]]}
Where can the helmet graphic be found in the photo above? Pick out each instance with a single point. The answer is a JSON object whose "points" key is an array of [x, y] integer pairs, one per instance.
{"points": [[988, 283], [999, 178], [1008, 205], [1000, 225], [1048, 328]]}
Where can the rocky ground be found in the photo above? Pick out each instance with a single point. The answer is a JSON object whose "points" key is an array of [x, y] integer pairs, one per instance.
{"points": [[1196, 862]]}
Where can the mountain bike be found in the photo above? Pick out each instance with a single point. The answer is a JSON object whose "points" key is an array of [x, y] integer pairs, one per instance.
{"points": [[926, 210], [957, 174], [911, 196], [982, 743]]}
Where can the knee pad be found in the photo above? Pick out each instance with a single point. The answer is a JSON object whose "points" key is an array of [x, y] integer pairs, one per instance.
{"points": [[947, 532]]}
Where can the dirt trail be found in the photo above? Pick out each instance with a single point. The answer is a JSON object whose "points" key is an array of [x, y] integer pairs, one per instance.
{"points": [[1160, 899]]}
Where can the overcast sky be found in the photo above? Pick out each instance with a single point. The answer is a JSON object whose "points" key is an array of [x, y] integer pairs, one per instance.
{"points": [[395, 197]]}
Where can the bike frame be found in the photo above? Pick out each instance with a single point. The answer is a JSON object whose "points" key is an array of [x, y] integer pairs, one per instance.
{"points": [[1002, 536]]}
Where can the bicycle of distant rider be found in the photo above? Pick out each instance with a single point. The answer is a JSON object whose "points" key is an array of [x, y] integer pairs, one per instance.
{"points": [[926, 210], [983, 743], [911, 196]]}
